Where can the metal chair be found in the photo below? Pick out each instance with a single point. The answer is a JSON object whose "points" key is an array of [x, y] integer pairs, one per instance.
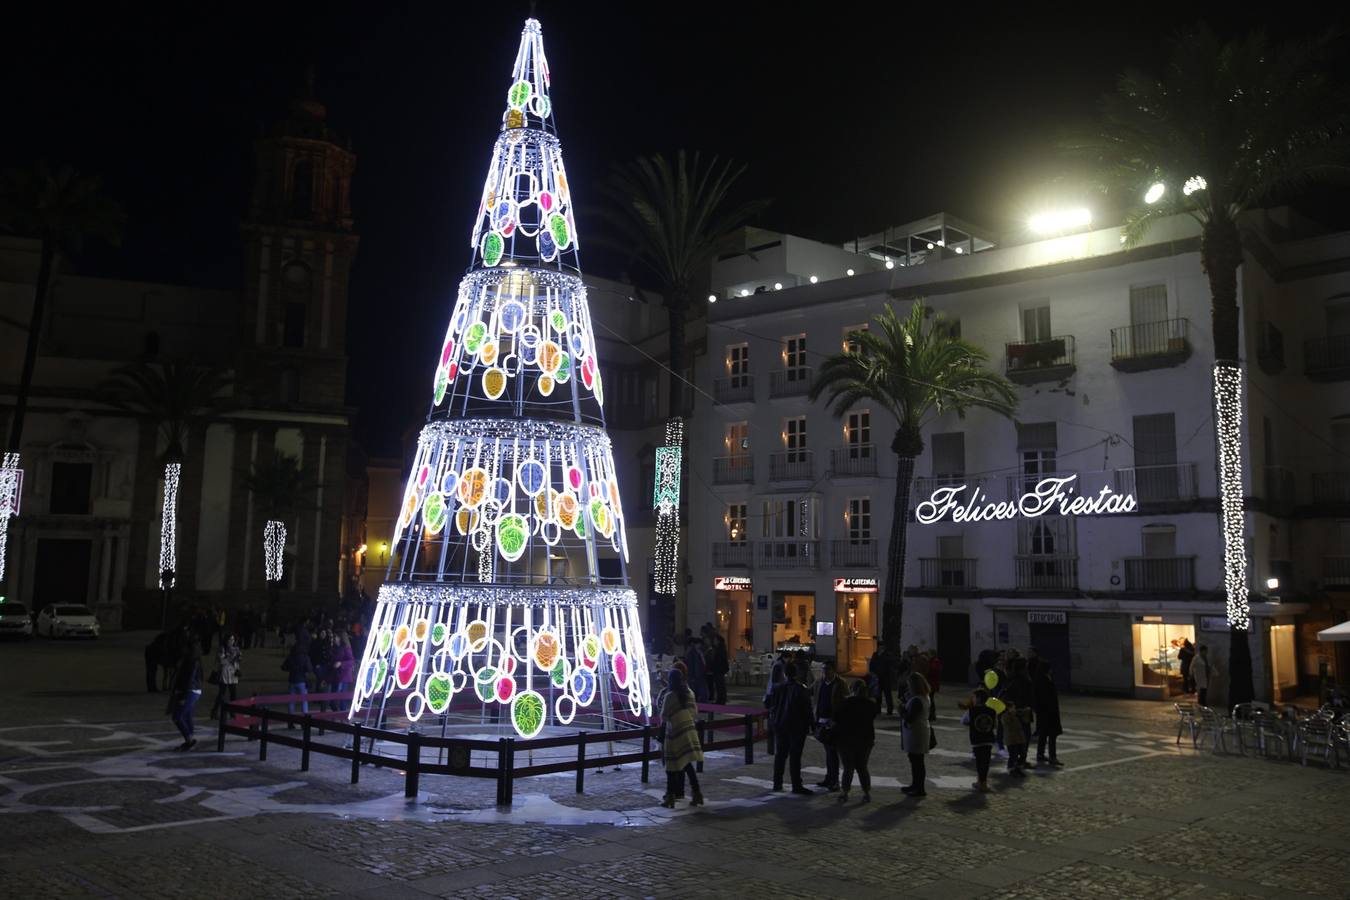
{"points": [[1217, 728], [1315, 737], [1247, 727], [1186, 720]]}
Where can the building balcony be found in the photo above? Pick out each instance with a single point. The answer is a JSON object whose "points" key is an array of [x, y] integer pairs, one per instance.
{"points": [[792, 465], [1152, 345], [1277, 490], [1336, 571], [732, 554], [734, 469], [1331, 488], [790, 383], [947, 574], [1327, 359], [1025, 482], [735, 390], [787, 554], [854, 461], [1160, 573], [1047, 573], [1169, 483], [853, 554], [1030, 362], [1269, 348]]}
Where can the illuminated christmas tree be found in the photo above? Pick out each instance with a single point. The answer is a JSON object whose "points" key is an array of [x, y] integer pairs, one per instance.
{"points": [[508, 596]]}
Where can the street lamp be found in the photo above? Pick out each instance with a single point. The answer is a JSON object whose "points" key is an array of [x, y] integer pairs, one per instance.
{"points": [[1155, 192]]}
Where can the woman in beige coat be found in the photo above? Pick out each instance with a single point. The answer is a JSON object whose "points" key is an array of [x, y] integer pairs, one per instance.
{"points": [[916, 733]]}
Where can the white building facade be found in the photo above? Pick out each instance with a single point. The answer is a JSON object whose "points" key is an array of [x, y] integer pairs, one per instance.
{"points": [[1111, 353]]}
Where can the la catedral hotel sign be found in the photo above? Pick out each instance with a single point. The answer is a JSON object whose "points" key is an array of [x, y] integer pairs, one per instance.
{"points": [[1051, 497]]}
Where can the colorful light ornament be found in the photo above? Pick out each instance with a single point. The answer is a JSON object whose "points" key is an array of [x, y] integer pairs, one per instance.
{"points": [[513, 509]]}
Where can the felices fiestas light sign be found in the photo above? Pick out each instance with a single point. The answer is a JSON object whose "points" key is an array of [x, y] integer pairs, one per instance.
{"points": [[1051, 497]]}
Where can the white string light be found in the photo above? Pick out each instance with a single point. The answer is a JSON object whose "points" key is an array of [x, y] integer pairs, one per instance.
{"points": [[1228, 426], [168, 526], [666, 500], [9, 502], [274, 549]]}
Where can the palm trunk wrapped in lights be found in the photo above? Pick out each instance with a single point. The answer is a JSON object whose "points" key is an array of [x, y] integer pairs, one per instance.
{"points": [[274, 550], [1228, 425], [666, 500], [168, 525], [9, 502]]}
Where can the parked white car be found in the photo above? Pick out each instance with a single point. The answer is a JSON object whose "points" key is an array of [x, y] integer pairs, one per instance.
{"points": [[67, 620], [15, 620]]}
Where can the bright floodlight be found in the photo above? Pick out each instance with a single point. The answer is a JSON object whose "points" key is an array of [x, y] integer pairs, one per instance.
{"points": [[930, 245], [1272, 584], [712, 298], [778, 285], [814, 279], [890, 264], [1155, 192], [959, 251], [744, 292], [1060, 220], [850, 272], [1193, 184]]}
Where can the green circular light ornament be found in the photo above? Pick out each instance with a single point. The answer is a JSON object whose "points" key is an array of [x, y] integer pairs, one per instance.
{"points": [[438, 693], [519, 95], [559, 674], [442, 382], [564, 368], [386, 640], [990, 679], [438, 633], [493, 245], [512, 532], [473, 338], [485, 683], [557, 319], [433, 512], [527, 713], [557, 226]]}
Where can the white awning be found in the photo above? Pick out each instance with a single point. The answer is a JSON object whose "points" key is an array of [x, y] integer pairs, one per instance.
{"points": [[1339, 632]]}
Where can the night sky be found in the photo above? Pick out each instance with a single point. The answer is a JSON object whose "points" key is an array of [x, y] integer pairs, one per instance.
{"points": [[849, 120]]}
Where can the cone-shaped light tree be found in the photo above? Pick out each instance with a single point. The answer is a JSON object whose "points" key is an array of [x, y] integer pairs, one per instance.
{"points": [[507, 597], [1227, 126]]}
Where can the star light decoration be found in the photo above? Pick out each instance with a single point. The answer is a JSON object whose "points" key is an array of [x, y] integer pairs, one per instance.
{"points": [[10, 480], [666, 502], [274, 550], [1228, 425], [168, 525], [507, 595]]}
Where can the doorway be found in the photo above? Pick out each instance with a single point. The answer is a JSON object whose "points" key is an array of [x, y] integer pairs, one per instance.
{"points": [[1283, 663], [953, 645], [62, 571], [1052, 645]]}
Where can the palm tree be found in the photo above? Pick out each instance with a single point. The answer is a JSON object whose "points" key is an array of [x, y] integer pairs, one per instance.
{"points": [[279, 485], [674, 218], [172, 395], [60, 208], [915, 370], [1229, 126]]}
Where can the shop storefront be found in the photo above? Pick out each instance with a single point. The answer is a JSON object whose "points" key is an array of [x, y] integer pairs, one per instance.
{"points": [[735, 612], [794, 621], [857, 623], [1157, 648]]}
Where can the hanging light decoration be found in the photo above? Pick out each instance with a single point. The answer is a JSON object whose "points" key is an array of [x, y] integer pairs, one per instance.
{"points": [[10, 481]]}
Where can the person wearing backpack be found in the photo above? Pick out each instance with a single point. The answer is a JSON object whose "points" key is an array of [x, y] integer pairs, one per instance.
{"points": [[983, 724]]}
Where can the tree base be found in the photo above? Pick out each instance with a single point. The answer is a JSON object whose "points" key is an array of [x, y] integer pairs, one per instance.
{"points": [[1239, 668]]}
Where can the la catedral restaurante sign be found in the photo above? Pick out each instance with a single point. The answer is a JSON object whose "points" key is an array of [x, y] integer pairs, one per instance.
{"points": [[1051, 497]]}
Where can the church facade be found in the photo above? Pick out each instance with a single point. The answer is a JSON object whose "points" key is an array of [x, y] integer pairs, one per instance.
{"points": [[89, 524]]}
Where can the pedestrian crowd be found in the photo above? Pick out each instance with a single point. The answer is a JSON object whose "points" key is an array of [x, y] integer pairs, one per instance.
{"points": [[321, 651]]}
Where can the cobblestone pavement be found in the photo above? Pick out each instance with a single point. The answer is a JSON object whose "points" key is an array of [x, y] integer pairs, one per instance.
{"points": [[95, 803]]}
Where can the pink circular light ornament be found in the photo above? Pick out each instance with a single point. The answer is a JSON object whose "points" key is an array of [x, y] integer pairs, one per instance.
{"points": [[407, 668]]}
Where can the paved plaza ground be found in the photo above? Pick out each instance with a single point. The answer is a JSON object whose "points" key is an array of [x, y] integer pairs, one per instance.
{"points": [[95, 803]]}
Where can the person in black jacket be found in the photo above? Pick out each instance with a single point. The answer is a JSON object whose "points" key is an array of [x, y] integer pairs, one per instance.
{"points": [[297, 667], [1020, 696], [855, 733], [1048, 726], [187, 690], [790, 718]]}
